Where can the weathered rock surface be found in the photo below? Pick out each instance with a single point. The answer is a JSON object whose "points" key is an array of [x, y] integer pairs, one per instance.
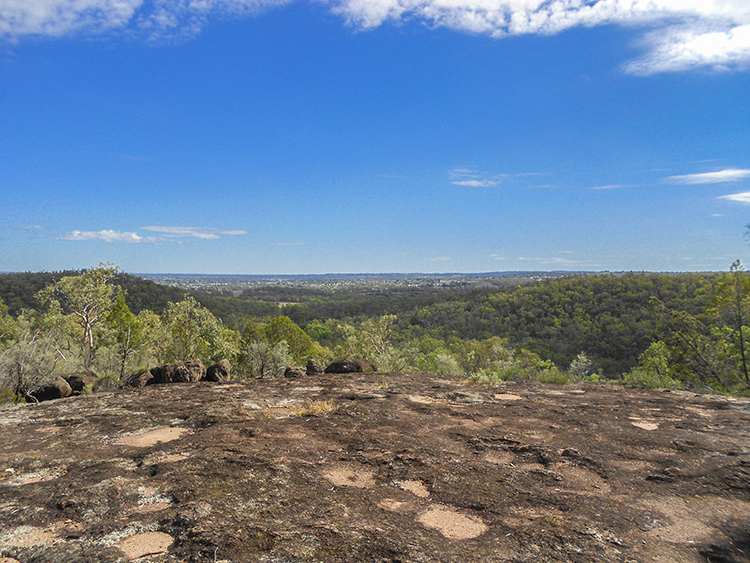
{"points": [[220, 372], [314, 367], [292, 371], [79, 380], [179, 372], [351, 365], [138, 379], [376, 467], [56, 388]]}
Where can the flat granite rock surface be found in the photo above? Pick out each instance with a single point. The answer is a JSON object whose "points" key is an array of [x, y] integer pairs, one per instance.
{"points": [[376, 467]]}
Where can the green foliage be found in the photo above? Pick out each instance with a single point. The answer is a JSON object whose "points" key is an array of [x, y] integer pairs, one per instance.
{"points": [[283, 329], [643, 379], [581, 367], [28, 360], [194, 332], [7, 324], [89, 297], [374, 339], [264, 359]]}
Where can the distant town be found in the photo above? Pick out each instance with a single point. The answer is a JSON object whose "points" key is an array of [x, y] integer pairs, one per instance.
{"points": [[238, 285]]}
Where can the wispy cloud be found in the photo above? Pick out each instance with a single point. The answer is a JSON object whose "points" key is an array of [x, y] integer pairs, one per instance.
{"points": [[681, 34], [108, 235], [728, 175], [24, 227], [193, 232], [441, 259], [462, 176], [743, 197]]}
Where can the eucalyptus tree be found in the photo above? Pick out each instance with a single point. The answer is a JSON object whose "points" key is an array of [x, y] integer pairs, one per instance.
{"points": [[88, 297]]}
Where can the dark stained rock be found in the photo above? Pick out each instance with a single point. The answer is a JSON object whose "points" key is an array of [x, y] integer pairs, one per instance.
{"points": [[292, 372], [351, 365], [399, 470], [314, 367], [138, 379], [179, 372], [79, 380], [219, 372], [56, 388]]}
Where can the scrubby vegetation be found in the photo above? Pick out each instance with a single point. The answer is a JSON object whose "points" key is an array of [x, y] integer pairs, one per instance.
{"points": [[641, 330]]}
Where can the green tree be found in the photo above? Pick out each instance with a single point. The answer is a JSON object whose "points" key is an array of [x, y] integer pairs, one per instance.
{"points": [[28, 360], [732, 305], [263, 358], [283, 329], [89, 297], [128, 332], [375, 339], [7, 324], [194, 332]]}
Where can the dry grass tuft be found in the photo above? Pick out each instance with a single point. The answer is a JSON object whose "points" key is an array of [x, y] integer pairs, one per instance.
{"points": [[312, 408], [308, 408]]}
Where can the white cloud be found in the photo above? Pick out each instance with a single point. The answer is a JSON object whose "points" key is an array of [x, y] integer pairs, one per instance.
{"points": [[155, 18], [728, 175], [476, 183], [63, 17], [684, 48], [743, 197], [108, 235], [462, 176], [194, 232], [684, 34]]}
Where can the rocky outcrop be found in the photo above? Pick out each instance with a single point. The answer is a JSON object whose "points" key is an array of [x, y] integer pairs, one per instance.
{"points": [[138, 379], [219, 372], [291, 372], [351, 365], [314, 367], [80, 380], [56, 388], [179, 372]]}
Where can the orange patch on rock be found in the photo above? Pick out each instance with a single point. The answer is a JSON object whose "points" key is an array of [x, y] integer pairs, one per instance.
{"points": [[147, 543], [154, 437], [453, 525]]}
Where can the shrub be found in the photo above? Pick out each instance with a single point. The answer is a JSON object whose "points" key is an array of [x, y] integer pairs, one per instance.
{"points": [[557, 376], [644, 379]]}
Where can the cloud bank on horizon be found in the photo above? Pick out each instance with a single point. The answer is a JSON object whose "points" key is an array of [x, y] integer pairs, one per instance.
{"points": [[680, 34], [110, 235]]}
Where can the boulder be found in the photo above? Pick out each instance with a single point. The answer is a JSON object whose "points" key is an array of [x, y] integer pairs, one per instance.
{"points": [[351, 365], [180, 372], [292, 372], [79, 380], [219, 372], [314, 367], [56, 388], [138, 379]]}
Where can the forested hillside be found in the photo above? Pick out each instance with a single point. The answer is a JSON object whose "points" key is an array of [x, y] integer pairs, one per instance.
{"points": [[648, 330]]}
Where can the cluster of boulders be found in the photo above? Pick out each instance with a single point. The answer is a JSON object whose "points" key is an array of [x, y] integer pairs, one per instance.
{"points": [[348, 365], [185, 372], [59, 387], [182, 372]]}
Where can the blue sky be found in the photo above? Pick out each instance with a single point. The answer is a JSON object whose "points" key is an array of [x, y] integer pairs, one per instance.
{"points": [[354, 136]]}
